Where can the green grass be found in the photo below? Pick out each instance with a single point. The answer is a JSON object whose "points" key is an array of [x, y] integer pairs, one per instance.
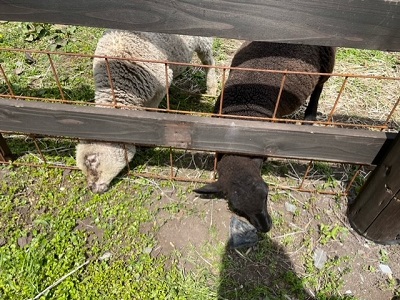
{"points": [[31, 75], [365, 57], [51, 37], [50, 224], [30, 207]]}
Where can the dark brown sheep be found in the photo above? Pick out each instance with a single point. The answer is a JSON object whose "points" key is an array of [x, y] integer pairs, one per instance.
{"points": [[253, 93]]}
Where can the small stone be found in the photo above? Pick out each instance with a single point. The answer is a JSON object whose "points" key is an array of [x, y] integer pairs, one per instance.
{"points": [[242, 234], [290, 207], [361, 252], [348, 292], [105, 256], [385, 269], [24, 241], [320, 258], [147, 250]]}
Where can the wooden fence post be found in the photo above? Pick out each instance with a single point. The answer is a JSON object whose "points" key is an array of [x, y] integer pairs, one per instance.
{"points": [[375, 214], [5, 152]]}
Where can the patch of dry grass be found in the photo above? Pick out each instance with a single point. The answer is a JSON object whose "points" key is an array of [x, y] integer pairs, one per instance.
{"points": [[367, 101]]}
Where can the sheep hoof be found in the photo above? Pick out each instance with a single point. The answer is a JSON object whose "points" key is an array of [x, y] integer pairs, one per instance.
{"points": [[242, 234]]}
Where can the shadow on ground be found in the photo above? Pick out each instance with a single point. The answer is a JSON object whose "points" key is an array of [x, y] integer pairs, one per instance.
{"points": [[265, 272]]}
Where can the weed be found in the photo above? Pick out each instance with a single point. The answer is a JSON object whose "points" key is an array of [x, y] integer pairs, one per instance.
{"points": [[35, 31], [218, 48], [329, 279], [383, 256], [331, 232], [372, 269], [323, 168]]}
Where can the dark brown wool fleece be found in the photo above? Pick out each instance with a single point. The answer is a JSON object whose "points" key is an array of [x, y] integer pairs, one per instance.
{"points": [[228, 168], [250, 93]]}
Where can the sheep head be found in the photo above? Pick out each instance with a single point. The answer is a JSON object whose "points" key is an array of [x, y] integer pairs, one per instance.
{"points": [[102, 162], [240, 182]]}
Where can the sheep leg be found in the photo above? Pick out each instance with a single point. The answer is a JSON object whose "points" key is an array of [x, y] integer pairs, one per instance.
{"points": [[312, 107], [207, 58]]}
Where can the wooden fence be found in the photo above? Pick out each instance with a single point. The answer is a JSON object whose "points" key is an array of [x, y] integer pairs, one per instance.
{"points": [[369, 24]]}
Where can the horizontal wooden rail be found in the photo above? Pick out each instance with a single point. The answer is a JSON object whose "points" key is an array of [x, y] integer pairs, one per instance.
{"points": [[368, 24], [193, 132]]}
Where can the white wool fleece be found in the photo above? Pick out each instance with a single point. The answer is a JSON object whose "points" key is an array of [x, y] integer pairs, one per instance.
{"points": [[135, 83]]}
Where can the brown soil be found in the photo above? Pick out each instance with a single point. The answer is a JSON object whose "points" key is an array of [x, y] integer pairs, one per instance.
{"points": [[200, 224]]}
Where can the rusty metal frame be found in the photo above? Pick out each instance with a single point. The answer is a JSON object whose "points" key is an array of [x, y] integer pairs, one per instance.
{"points": [[172, 174]]}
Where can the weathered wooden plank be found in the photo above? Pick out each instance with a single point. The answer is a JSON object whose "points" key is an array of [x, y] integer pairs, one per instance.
{"points": [[5, 153], [370, 24], [385, 229], [378, 200], [192, 132]]}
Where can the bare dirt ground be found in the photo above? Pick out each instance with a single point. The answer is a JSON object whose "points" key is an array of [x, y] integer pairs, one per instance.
{"points": [[290, 246]]}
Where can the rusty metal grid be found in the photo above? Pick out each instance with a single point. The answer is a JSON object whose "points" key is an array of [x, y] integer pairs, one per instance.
{"points": [[171, 170]]}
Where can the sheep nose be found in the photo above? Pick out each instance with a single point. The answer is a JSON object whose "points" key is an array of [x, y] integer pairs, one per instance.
{"points": [[261, 221], [98, 188]]}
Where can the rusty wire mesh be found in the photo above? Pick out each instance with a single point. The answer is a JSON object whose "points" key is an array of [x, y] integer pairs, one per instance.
{"points": [[199, 166]]}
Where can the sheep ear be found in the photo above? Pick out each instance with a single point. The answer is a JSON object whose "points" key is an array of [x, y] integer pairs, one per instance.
{"points": [[259, 161], [211, 188]]}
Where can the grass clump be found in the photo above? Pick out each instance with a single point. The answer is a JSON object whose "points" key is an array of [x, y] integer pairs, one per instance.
{"points": [[46, 233], [30, 74]]}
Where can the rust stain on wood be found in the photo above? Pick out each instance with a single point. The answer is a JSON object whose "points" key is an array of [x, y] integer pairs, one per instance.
{"points": [[70, 122], [178, 135]]}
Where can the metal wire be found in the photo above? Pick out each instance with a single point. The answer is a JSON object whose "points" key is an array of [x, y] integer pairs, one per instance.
{"points": [[391, 113], [305, 175], [110, 80], [81, 55], [12, 94], [53, 68], [353, 178], [278, 100], [337, 100], [167, 87], [221, 99], [172, 173]]}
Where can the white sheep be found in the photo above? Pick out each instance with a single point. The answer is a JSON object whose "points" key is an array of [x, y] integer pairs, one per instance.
{"points": [[255, 94], [135, 83]]}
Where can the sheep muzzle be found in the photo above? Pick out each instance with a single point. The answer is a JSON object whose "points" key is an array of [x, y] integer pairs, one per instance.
{"points": [[261, 221], [98, 188]]}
